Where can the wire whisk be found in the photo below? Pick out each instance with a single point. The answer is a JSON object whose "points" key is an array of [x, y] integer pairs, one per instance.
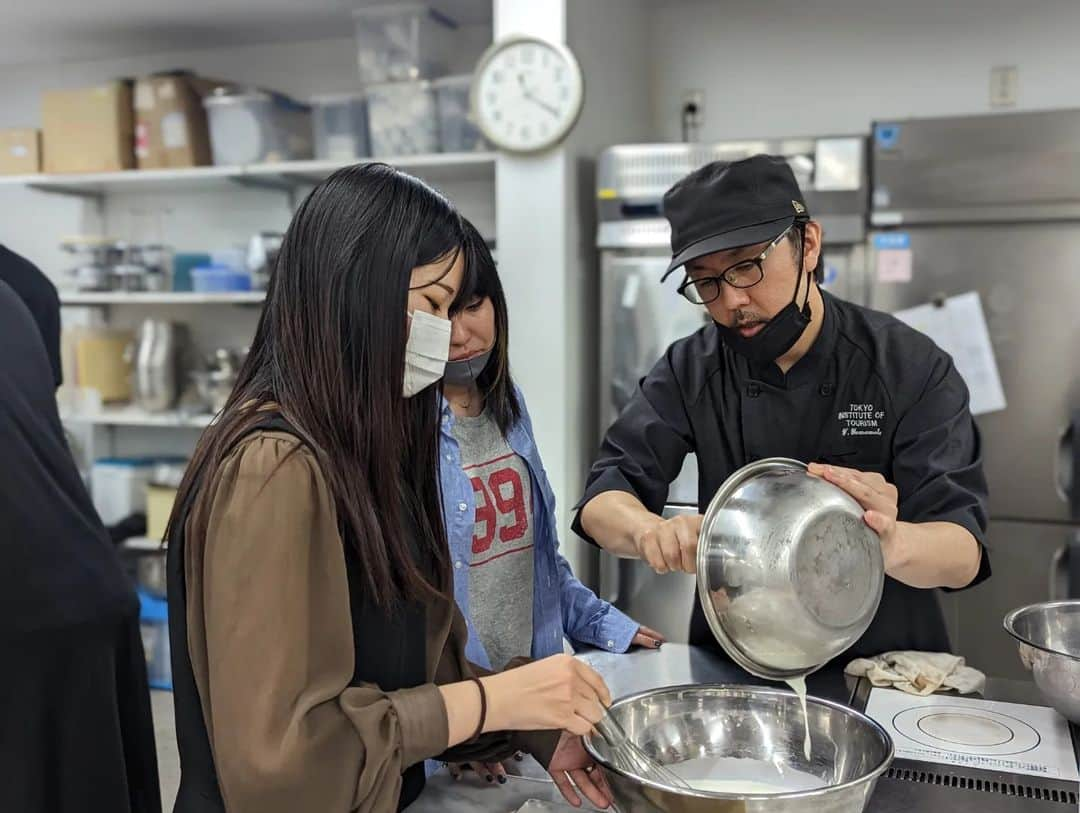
{"points": [[626, 756]]}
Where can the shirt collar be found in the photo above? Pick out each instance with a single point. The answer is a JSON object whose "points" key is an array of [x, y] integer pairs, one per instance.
{"points": [[808, 369]]}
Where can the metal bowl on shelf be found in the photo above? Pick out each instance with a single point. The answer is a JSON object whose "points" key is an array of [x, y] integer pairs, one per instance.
{"points": [[788, 573], [1049, 638], [732, 733]]}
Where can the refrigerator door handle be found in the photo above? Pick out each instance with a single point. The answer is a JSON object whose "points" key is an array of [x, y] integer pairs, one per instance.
{"points": [[1058, 575], [1063, 461]]}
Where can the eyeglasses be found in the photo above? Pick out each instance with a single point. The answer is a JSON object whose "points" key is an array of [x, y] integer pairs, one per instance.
{"points": [[743, 274]]}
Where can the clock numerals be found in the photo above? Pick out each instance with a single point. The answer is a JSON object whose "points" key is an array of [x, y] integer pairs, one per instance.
{"points": [[528, 94]]}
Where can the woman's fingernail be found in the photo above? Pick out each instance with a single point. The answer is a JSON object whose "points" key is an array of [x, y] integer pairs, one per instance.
{"points": [[502, 779]]}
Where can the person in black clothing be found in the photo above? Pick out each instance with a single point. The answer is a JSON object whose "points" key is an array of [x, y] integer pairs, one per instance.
{"points": [[40, 297], [75, 727], [786, 370]]}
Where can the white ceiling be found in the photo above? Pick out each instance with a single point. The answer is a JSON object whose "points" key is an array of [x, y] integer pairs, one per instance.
{"points": [[49, 31]]}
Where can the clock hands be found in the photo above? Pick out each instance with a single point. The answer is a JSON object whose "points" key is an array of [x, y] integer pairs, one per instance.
{"points": [[529, 95]]}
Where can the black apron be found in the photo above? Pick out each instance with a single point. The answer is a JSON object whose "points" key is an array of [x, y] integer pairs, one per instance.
{"points": [[390, 653]]}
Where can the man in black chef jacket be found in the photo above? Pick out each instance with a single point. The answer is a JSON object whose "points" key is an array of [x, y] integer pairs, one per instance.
{"points": [[785, 369]]}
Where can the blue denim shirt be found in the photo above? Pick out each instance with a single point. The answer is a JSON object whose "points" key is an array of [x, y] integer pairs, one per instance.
{"points": [[562, 605]]}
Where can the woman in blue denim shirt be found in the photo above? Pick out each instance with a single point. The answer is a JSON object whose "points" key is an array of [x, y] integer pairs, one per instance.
{"points": [[516, 591]]}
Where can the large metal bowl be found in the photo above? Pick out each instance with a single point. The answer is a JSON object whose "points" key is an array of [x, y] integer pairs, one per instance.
{"points": [[789, 575], [747, 728], [1049, 636]]}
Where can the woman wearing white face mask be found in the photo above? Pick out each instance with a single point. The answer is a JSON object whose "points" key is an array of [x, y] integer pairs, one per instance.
{"points": [[516, 591], [318, 655]]}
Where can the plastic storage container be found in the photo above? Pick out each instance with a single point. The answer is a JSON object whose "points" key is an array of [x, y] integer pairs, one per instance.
{"points": [[457, 133], [395, 42], [217, 279], [118, 486], [341, 127], [255, 126], [402, 119], [154, 626]]}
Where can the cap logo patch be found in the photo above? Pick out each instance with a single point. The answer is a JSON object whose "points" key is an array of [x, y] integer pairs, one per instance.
{"points": [[799, 208]]}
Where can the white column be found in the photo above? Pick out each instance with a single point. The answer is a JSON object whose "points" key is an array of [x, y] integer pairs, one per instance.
{"points": [[532, 234]]}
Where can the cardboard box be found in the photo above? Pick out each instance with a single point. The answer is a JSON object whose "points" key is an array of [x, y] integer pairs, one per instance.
{"points": [[88, 130], [170, 121], [20, 151]]}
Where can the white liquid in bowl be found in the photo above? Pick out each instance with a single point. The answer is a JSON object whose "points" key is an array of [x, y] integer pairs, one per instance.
{"points": [[743, 777]]}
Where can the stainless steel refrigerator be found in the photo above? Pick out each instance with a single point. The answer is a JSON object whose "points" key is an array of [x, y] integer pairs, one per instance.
{"points": [[639, 317], [991, 204]]}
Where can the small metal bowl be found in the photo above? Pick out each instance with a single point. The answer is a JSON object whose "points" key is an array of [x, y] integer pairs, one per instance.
{"points": [[788, 573], [749, 730], [1049, 636]]}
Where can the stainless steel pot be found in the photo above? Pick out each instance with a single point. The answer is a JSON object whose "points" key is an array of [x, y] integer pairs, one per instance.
{"points": [[157, 358], [1049, 636], [788, 573], [743, 732]]}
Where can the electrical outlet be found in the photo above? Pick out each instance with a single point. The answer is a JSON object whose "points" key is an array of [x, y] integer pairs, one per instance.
{"points": [[1003, 85], [693, 107]]}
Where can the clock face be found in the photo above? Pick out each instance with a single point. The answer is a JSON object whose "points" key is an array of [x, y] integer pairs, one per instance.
{"points": [[527, 94]]}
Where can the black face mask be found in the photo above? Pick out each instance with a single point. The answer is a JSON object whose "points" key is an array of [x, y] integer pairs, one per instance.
{"points": [[779, 334]]}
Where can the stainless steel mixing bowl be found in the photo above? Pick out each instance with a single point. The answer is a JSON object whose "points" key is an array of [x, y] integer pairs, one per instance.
{"points": [[789, 575], [1049, 636], [747, 729]]}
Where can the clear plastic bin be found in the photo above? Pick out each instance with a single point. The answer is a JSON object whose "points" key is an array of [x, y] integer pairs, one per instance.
{"points": [[457, 133], [395, 42], [256, 126], [402, 119], [341, 127], [217, 279]]}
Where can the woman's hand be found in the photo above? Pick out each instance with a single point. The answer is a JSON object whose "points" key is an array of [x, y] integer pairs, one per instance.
{"points": [[559, 692], [648, 638], [572, 762]]}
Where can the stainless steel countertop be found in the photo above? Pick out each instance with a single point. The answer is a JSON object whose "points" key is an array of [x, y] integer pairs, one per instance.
{"points": [[676, 664]]}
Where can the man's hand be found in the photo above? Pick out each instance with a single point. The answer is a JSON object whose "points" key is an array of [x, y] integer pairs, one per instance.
{"points": [[879, 500], [669, 544]]}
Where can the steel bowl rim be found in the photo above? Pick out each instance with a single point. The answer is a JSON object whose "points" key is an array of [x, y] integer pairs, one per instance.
{"points": [[872, 776], [1010, 620]]}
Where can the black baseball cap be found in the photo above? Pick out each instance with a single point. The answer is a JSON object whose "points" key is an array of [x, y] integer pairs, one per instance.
{"points": [[730, 204]]}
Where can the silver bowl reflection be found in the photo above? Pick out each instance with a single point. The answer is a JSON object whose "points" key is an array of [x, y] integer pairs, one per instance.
{"points": [[789, 575], [749, 734], [1049, 636]]}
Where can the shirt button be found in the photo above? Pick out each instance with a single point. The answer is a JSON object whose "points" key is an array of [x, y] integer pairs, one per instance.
{"points": [[461, 506], [610, 644], [827, 389], [457, 564], [753, 390], [449, 458]]}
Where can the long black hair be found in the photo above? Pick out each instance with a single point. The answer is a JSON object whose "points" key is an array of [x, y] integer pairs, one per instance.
{"points": [[329, 352], [494, 381]]}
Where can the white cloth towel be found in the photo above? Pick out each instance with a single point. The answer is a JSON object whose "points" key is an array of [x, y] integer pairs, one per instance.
{"points": [[920, 673]]}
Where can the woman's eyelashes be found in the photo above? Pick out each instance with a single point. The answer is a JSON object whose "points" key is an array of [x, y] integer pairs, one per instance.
{"points": [[472, 307]]}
